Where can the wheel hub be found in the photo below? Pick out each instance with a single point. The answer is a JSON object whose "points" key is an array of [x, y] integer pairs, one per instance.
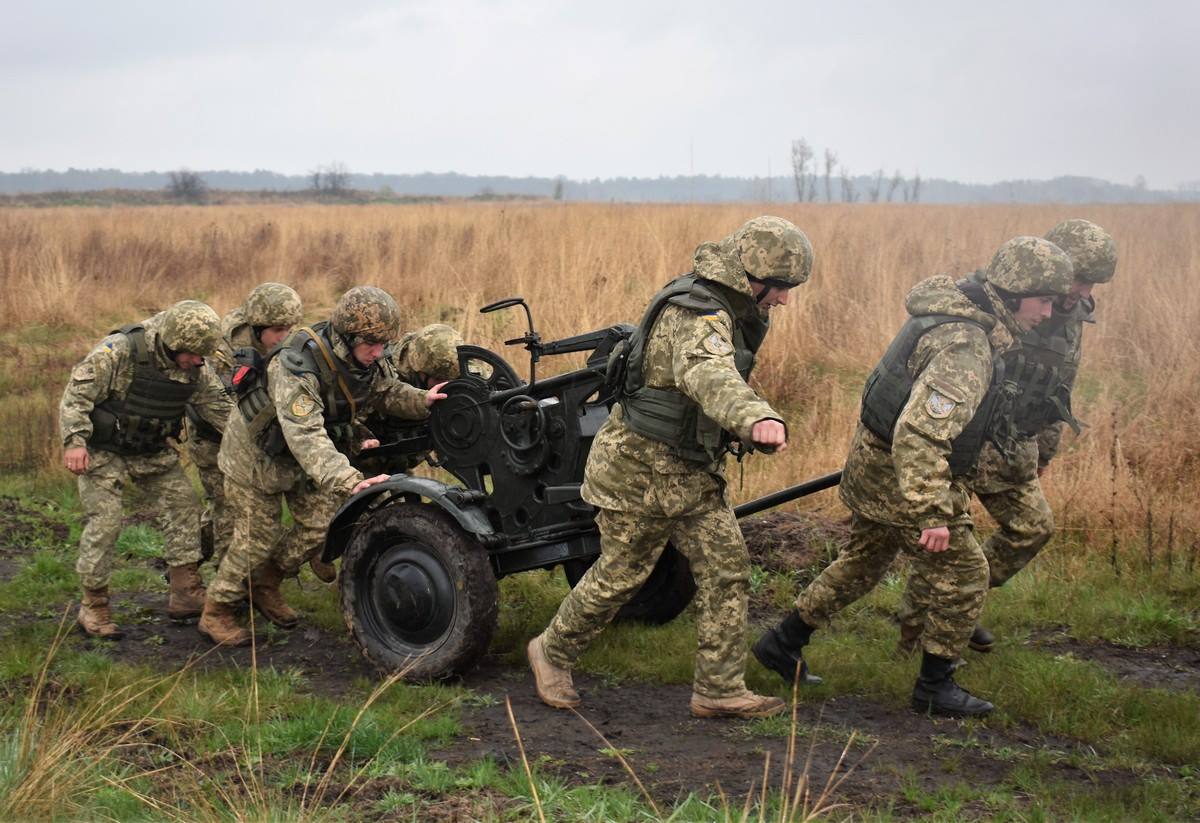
{"points": [[413, 594]]}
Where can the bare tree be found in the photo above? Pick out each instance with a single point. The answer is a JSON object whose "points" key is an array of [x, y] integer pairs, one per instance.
{"points": [[802, 154], [332, 180], [187, 186], [830, 162], [894, 184], [876, 185], [315, 178], [916, 187], [849, 194]]}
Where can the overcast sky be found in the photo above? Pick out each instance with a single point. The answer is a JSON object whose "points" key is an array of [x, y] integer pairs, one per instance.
{"points": [[973, 92]]}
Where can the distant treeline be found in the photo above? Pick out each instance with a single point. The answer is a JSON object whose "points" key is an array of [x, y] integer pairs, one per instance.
{"points": [[680, 189]]}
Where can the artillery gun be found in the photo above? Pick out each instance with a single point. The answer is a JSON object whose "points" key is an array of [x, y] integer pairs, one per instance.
{"points": [[421, 558]]}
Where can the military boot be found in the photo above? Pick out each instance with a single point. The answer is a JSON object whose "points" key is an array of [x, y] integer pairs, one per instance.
{"points": [[95, 616], [186, 599], [266, 597], [219, 623], [981, 640], [910, 639], [553, 684], [937, 693], [325, 572], [779, 649], [744, 705]]}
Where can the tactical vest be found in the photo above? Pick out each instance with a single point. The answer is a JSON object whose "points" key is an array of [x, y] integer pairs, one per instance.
{"points": [[305, 351], [666, 414], [890, 384], [1039, 370], [151, 411]]}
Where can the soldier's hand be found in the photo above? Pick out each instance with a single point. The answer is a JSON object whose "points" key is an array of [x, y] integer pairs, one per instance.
{"points": [[76, 459], [370, 481], [435, 394], [370, 443], [935, 540], [769, 433]]}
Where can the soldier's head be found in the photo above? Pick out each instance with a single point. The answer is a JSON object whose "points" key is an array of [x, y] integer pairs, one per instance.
{"points": [[776, 257], [271, 310], [432, 353], [190, 331], [1028, 274], [367, 318], [1093, 254]]}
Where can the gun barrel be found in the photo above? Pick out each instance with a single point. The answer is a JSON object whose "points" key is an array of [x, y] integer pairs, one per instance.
{"points": [[770, 501]]}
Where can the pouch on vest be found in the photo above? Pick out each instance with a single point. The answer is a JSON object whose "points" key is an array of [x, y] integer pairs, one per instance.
{"points": [[254, 403]]}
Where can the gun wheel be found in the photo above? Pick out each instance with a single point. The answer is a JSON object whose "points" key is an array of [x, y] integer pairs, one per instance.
{"points": [[418, 593], [665, 594]]}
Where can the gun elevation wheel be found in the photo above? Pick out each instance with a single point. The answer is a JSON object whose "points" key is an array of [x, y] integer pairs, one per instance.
{"points": [[418, 593], [664, 595]]}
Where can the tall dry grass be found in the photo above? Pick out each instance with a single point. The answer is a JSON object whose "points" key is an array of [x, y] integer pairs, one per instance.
{"points": [[67, 275]]}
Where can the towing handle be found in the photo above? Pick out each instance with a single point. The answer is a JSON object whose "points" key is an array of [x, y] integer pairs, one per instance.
{"points": [[770, 501]]}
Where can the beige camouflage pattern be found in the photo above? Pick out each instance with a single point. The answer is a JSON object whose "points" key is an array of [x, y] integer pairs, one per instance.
{"points": [[1092, 250], [630, 546], [273, 304], [910, 484], [647, 495], [101, 488], [366, 314], [191, 326], [951, 585], [431, 351], [771, 248], [1029, 266], [258, 533]]}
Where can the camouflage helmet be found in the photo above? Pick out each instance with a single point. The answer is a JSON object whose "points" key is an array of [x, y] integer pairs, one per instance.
{"points": [[772, 249], [1092, 250], [1028, 266], [366, 314], [434, 351], [273, 304], [191, 326]]}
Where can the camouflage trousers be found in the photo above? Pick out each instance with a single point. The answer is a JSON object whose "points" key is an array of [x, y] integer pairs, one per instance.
{"points": [[949, 586], [630, 544], [101, 489], [216, 520], [259, 535]]}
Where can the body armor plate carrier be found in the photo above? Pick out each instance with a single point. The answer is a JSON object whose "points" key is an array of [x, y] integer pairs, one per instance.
{"points": [[151, 411], [888, 388], [666, 414]]}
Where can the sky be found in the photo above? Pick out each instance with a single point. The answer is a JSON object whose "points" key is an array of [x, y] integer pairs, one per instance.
{"points": [[969, 92]]}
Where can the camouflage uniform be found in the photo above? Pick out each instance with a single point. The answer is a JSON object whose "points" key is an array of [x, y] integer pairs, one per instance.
{"points": [[648, 494], [269, 304], [1009, 486], [312, 474], [106, 375]]}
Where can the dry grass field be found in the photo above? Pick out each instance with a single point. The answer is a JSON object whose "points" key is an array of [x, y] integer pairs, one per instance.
{"points": [[68, 275]]}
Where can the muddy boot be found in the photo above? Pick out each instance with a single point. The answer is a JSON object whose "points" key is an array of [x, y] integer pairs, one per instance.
{"points": [[186, 599], [937, 693], [553, 684], [268, 600], [95, 616], [779, 649], [325, 572], [910, 640], [219, 623], [981, 640], [746, 705]]}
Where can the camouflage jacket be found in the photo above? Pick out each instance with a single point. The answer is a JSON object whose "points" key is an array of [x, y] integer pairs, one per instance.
{"points": [[910, 484], [691, 353], [311, 454], [107, 372], [1069, 325]]}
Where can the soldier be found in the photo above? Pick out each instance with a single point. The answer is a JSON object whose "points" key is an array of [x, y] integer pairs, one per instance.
{"points": [[296, 423], [1044, 368], [123, 402], [262, 322], [656, 466], [927, 408]]}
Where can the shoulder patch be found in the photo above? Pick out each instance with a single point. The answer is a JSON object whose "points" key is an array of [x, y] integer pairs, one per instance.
{"points": [[939, 406], [303, 405], [716, 343]]}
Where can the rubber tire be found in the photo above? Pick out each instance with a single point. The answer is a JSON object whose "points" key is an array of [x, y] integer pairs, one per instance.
{"points": [[663, 597], [427, 529]]}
